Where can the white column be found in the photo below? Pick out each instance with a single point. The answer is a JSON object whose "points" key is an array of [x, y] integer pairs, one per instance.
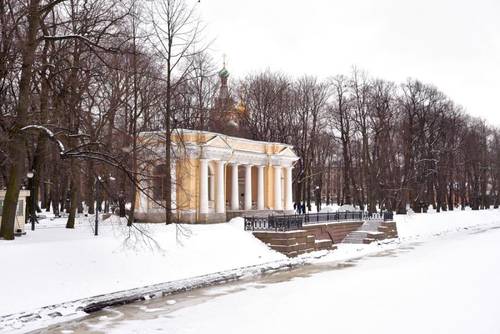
{"points": [[288, 191], [220, 202], [278, 205], [235, 193], [260, 188], [173, 180], [203, 186], [248, 187]]}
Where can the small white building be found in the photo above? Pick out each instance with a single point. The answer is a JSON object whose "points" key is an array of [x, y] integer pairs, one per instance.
{"points": [[21, 209]]}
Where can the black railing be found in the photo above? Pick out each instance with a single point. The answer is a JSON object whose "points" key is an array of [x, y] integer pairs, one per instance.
{"points": [[286, 223], [388, 216], [256, 223], [325, 217], [296, 222], [274, 223]]}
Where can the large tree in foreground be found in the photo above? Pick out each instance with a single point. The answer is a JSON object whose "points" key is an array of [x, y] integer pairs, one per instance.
{"points": [[28, 44]]}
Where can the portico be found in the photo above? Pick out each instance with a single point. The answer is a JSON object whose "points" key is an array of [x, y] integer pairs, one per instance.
{"points": [[218, 177]]}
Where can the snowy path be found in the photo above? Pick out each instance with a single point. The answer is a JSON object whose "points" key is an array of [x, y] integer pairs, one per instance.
{"points": [[447, 285]]}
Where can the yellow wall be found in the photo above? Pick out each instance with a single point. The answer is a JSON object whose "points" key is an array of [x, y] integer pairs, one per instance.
{"points": [[187, 184], [188, 173]]}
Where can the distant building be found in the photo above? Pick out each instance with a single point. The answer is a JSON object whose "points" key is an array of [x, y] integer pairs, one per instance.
{"points": [[215, 177], [21, 209], [226, 115]]}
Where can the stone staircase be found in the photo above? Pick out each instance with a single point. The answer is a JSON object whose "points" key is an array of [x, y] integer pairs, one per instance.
{"points": [[367, 233]]}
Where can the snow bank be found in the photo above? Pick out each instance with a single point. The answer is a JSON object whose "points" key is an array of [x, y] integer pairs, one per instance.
{"points": [[424, 225], [53, 264], [415, 227], [327, 208]]}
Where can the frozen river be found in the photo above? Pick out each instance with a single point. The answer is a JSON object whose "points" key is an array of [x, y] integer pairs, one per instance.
{"points": [[448, 285]]}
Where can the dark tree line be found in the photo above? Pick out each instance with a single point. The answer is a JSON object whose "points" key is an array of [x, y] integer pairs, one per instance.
{"points": [[375, 144], [96, 73]]}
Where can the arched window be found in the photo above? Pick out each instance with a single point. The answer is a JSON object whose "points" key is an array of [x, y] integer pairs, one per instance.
{"points": [[159, 182]]}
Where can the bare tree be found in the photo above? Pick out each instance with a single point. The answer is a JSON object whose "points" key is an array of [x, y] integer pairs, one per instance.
{"points": [[17, 152], [341, 121], [176, 40]]}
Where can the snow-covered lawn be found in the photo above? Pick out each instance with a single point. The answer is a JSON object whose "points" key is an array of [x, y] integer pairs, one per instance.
{"points": [[424, 225], [53, 265]]}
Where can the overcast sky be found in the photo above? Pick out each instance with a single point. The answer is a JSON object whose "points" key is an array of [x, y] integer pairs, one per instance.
{"points": [[453, 44]]}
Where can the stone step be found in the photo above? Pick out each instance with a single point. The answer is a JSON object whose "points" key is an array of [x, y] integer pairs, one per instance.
{"points": [[355, 237], [366, 233], [353, 241], [368, 240]]}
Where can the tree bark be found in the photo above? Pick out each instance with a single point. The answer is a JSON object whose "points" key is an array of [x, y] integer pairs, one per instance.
{"points": [[18, 152]]}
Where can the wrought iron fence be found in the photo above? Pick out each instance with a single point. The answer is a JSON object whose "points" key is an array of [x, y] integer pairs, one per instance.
{"points": [[286, 223], [274, 223], [388, 216], [325, 217], [296, 222]]}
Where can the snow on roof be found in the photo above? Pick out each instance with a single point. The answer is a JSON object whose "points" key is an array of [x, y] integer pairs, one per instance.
{"points": [[202, 132]]}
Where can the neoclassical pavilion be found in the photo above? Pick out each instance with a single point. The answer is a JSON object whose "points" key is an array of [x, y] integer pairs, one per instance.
{"points": [[215, 177]]}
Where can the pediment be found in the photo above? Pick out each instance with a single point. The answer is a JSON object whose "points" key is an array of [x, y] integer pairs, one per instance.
{"points": [[287, 152], [217, 141]]}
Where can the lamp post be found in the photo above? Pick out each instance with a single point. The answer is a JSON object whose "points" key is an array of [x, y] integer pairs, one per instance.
{"points": [[32, 212], [97, 181], [318, 198]]}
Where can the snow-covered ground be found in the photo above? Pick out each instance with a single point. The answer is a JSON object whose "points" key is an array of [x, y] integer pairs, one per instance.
{"points": [[448, 285], [423, 225], [53, 265]]}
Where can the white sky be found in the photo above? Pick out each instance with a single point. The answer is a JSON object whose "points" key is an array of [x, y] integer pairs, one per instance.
{"points": [[453, 44]]}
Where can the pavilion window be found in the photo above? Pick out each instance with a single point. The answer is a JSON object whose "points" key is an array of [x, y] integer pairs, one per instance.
{"points": [[159, 182]]}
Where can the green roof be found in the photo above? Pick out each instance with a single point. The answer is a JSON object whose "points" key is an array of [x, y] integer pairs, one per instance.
{"points": [[224, 73]]}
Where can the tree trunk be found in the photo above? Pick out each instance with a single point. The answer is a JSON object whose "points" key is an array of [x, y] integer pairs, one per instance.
{"points": [[90, 200], [18, 152], [74, 186]]}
